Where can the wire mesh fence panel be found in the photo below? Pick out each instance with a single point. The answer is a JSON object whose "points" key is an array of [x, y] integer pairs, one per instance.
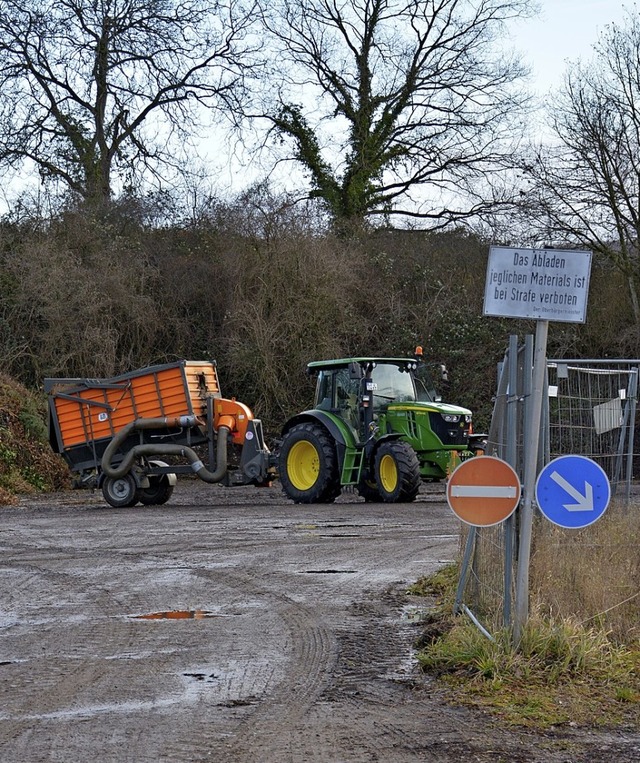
{"points": [[591, 412], [489, 585], [484, 590]]}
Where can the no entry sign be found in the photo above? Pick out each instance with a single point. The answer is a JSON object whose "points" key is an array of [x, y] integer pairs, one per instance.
{"points": [[483, 491]]}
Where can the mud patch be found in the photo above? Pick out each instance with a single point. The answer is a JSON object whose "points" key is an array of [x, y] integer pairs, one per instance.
{"points": [[239, 702], [176, 614]]}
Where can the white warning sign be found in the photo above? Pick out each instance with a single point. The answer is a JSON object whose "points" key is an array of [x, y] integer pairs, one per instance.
{"points": [[543, 284]]}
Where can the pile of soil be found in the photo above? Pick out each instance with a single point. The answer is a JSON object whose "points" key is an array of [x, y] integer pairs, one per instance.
{"points": [[27, 463]]}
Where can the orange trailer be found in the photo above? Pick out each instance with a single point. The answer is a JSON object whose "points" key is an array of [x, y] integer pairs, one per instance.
{"points": [[112, 431]]}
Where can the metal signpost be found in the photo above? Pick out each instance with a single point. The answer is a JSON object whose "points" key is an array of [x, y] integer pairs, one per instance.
{"points": [[482, 492], [545, 285]]}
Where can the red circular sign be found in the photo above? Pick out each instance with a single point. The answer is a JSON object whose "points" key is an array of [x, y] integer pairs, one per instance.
{"points": [[483, 491]]}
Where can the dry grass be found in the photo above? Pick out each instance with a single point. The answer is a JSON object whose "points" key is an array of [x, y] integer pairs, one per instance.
{"points": [[592, 575], [561, 673], [579, 657]]}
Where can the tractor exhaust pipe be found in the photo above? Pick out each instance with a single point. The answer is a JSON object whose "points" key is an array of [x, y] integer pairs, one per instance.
{"points": [[166, 450]]}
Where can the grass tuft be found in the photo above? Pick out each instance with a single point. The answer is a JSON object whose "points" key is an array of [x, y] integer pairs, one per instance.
{"points": [[560, 673], [578, 667]]}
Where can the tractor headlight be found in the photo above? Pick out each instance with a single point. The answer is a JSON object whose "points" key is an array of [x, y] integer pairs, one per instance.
{"points": [[450, 418], [468, 418]]}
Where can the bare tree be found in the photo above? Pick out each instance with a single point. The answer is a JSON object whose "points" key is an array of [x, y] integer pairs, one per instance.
{"points": [[585, 186], [395, 107], [96, 88]]}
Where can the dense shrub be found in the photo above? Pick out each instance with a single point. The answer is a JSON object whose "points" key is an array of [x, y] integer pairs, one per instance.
{"points": [[260, 286]]}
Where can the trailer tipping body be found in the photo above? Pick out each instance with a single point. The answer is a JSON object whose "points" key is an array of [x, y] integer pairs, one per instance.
{"points": [[161, 410]]}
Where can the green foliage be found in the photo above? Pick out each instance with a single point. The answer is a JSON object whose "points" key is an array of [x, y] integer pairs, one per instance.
{"points": [[33, 421], [292, 123], [441, 584]]}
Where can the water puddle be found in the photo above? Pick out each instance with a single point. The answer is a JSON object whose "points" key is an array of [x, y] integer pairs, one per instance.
{"points": [[329, 572], [177, 614], [413, 614]]}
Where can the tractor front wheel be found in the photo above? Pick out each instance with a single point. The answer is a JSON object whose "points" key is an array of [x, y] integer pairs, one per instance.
{"points": [[308, 465], [397, 472]]}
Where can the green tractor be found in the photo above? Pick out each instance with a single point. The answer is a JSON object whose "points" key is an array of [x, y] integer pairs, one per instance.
{"points": [[377, 425]]}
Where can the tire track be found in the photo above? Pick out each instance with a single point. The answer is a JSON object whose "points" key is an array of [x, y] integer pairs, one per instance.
{"points": [[265, 730], [275, 728], [305, 658]]}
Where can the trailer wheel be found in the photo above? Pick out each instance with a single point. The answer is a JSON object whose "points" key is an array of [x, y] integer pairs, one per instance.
{"points": [[308, 465], [120, 492], [397, 472], [158, 492]]}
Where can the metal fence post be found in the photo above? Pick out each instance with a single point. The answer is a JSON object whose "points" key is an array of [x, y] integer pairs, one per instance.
{"points": [[530, 468]]}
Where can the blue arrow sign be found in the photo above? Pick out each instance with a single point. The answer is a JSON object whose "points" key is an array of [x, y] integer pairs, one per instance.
{"points": [[573, 491]]}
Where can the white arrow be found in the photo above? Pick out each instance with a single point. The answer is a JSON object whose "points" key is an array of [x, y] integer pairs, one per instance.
{"points": [[584, 502]]}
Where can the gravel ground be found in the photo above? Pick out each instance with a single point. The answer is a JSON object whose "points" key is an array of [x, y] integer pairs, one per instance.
{"points": [[278, 633]]}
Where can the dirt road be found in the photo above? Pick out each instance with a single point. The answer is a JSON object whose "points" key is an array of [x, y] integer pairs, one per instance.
{"points": [[280, 633]]}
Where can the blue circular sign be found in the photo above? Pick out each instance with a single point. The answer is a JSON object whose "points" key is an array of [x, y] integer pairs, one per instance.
{"points": [[573, 491]]}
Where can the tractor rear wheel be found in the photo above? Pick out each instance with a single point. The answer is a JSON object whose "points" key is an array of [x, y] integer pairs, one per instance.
{"points": [[308, 465], [397, 472], [120, 492]]}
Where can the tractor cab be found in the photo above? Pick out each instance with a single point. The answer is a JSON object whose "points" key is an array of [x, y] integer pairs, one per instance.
{"points": [[358, 390]]}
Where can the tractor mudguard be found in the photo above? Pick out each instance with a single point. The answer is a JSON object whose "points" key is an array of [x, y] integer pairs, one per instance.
{"points": [[385, 438], [339, 431], [336, 427], [372, 446]]}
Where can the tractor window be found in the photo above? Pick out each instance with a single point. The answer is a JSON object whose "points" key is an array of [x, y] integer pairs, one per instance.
{"points": [[425, 389], [347, 397], [335, 390], [391, 383], [324, 391]]}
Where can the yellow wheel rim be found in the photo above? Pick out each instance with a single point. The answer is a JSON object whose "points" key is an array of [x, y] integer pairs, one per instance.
{"points": [[388, 471], [303, 465]]}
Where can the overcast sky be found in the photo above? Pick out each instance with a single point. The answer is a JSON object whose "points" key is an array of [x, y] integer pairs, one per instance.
{"points": [[565, 30]]}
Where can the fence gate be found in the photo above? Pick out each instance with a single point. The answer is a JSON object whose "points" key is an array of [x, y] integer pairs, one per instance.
{"points": [[591, 412]]}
